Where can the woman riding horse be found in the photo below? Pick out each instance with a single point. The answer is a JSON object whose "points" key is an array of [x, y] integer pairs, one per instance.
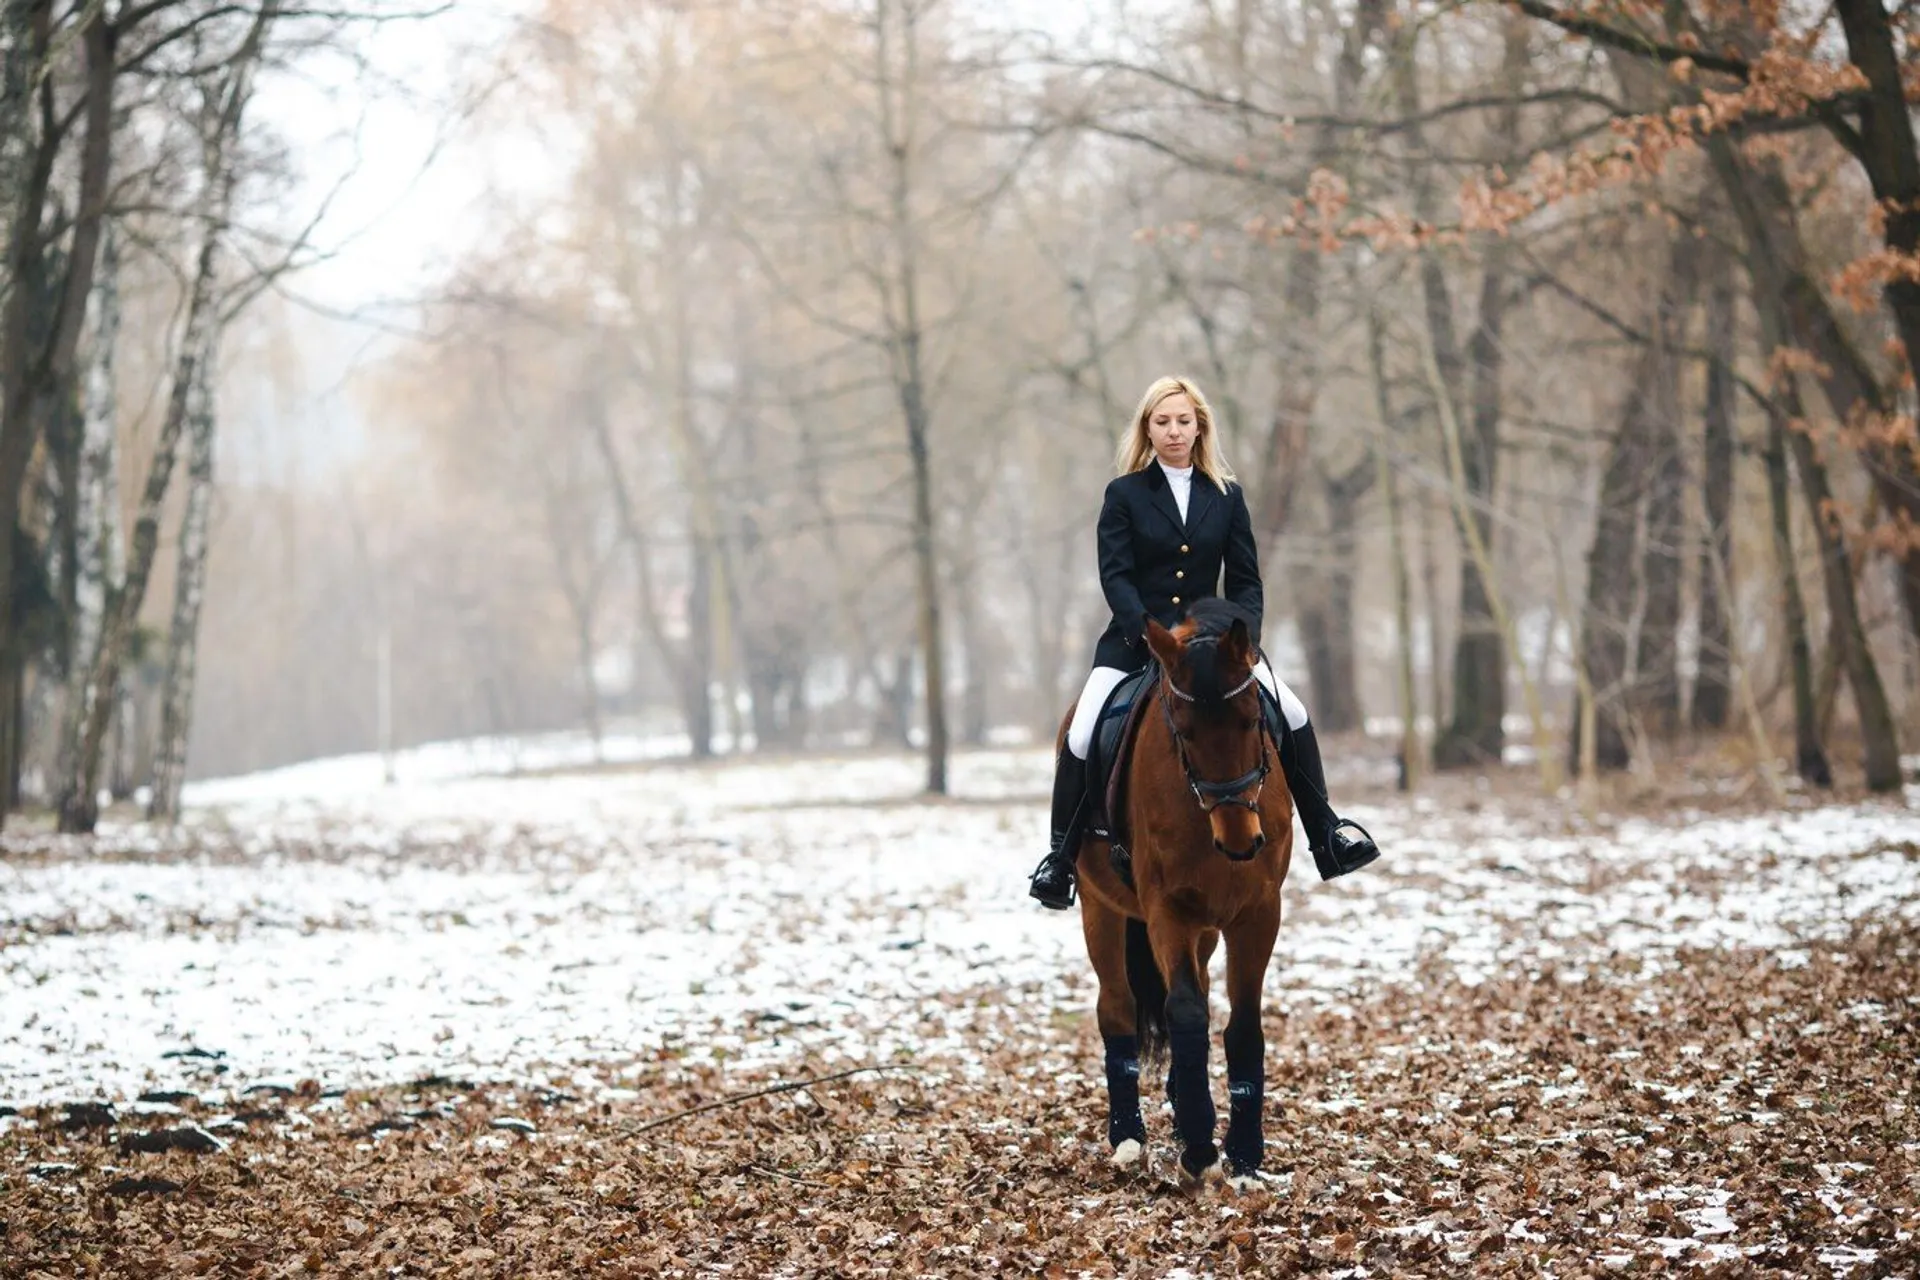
{"points": [[1172, 519]]}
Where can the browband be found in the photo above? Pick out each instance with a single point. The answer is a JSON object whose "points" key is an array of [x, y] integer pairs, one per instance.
{"points": [[1234, 692]]}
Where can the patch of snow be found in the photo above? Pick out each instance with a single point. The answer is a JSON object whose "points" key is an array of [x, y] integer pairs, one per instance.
{"points": [[314, 923]]}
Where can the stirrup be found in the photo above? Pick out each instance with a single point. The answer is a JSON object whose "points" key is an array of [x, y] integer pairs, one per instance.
{"points": [[1052, 895], [1335, 856]]}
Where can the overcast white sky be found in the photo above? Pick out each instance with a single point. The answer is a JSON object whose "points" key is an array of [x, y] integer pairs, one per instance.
{"points": [[384, 144], [412, 183]]}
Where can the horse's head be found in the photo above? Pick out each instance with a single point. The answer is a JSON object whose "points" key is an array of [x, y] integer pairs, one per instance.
{"points": [[1213, 711]]}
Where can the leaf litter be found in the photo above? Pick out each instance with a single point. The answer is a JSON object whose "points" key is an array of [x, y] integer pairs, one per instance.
{"points": [[510, 1026]]}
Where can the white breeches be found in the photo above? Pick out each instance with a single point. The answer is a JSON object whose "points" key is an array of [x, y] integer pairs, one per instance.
{"points": [[1101, 682]]}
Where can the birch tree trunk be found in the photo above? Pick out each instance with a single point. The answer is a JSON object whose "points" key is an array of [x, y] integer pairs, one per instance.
{"points": [[176, 698], [98, 548], [78, 796]]}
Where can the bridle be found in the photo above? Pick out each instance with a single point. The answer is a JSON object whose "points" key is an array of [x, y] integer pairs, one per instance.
{"points": [[1212, 795]]}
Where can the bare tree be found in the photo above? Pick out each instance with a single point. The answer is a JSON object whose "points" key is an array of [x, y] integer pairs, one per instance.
{"points": [[227, 100]]}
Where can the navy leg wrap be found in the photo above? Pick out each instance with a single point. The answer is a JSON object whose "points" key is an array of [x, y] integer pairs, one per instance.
{"points": [[1246, 1090], [1123, 1091], [1244, 1139], [1193, 1113]]}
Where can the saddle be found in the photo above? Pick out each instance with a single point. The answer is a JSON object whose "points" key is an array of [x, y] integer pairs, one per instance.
{"points": [[1114, 733]]}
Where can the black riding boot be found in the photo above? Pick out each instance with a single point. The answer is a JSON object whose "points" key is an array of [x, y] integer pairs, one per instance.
{"points": [[1335, 852], [1052, 881]]}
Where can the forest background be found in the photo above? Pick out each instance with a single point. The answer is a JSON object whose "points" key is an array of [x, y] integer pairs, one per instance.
{"points": [[762, 393]]}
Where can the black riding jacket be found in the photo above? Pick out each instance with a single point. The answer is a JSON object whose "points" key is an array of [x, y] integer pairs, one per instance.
{"points": [[1152, 564]]}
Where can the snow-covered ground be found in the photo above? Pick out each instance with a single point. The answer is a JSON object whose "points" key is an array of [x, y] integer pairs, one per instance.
{"points": [[316, 924]]}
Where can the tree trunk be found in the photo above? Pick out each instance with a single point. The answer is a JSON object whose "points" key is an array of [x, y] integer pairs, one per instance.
{"points": [[1411, 761], [78, 802], [1887, 150], [1606, 627], [37, 352], [1794, 311], [1713, 682], [1284, 451], [1481, 555], [1656, 663], [1629, 631], [79, 792], [189, 590], [1326, 609], [975, 711], [1436, 643], [98, 542], [894, 722], [684, 665], [19, 70], [898, 123], [1809, 756], [1476, 735], [589, 684], [123, 748], [697, 680], [1879, 734]]}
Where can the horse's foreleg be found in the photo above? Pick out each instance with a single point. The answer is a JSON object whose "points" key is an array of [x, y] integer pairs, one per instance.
{"points": [[1249, 947], [1106, 932], [1208, 941], [1176, 948]]}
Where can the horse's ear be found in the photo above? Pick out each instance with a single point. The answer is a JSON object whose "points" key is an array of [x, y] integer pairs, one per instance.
{"points": [[1238, 643], [1164, 644]]}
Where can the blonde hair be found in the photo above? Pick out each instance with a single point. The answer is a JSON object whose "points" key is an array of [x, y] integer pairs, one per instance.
{"points": [[1136, 446]]}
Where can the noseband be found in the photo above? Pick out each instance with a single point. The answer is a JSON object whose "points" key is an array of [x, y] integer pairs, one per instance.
{"points": [[1212, 795]]}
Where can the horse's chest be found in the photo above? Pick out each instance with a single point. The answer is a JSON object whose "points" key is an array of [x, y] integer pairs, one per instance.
{"points": [[1211, 896]]}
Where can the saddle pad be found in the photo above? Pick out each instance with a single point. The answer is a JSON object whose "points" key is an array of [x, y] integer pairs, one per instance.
{"points": [[1112, 736]]}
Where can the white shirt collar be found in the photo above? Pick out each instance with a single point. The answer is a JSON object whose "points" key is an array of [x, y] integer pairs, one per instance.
{"points": [[1180, 483]]}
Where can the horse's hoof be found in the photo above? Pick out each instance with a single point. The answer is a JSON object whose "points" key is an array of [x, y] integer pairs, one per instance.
{"points": [[1241, 1182], [1212, 1173], [1128, 1154]]}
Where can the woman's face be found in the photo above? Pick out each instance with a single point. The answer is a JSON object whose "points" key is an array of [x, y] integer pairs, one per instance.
{"points": [[1172, 428]]}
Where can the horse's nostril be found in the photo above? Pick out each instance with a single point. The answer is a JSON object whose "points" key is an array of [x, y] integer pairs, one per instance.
{"points": [[1259, 841]]}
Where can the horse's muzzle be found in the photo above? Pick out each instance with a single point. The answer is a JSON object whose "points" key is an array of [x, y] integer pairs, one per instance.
{"points": [[1243, 855]]}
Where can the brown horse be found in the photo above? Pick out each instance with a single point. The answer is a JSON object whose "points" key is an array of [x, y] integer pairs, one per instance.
{"points": [[1209, 824]]}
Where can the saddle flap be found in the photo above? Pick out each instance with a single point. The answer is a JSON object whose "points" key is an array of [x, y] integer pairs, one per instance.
{"points": [[1113, 736]]}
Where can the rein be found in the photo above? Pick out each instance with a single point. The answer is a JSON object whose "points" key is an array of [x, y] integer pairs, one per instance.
{"points": [[1212, 795]]}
